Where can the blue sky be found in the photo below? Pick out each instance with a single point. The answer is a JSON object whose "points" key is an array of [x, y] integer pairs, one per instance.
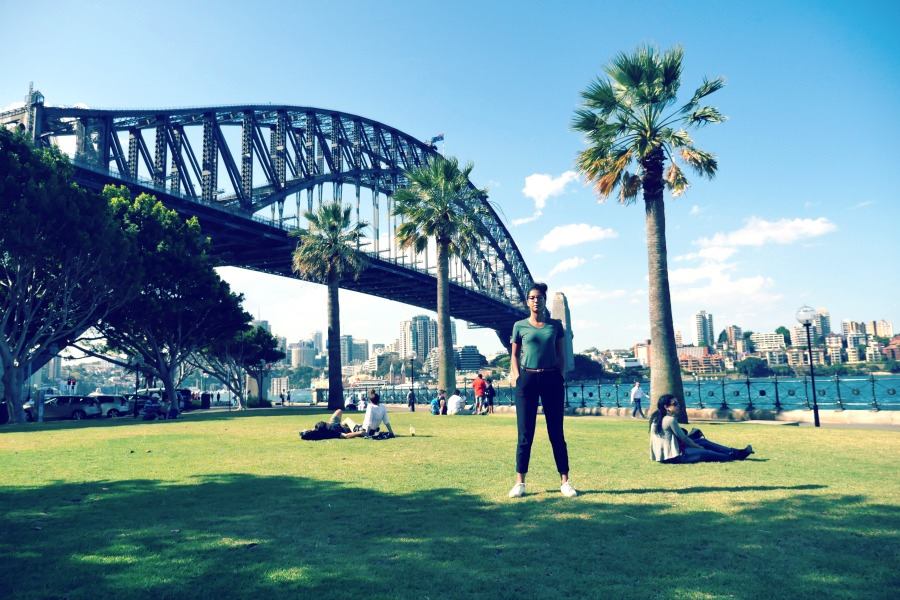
{"points": [[803, 211]]}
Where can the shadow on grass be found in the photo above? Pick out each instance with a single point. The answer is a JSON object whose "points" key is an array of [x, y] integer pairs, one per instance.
{"points": [[279, 537], [706, 489], [194, 415]]}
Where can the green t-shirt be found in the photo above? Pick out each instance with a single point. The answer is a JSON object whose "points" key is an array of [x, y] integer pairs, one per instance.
{"points": [[538, 343]]}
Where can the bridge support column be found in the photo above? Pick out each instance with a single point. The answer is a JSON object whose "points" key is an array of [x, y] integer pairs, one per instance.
{"points": [[210, 172], [92, 142], [247, 159], [132, 153], [159, 159], [174, 171], [375, 228]]}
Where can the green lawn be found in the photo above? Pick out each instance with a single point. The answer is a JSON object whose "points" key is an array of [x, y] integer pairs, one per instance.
{"points": [[219, 506]]}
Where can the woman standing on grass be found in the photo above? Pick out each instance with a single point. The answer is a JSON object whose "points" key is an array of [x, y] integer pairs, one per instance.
{"points": [[670, 444], [538, 374]]}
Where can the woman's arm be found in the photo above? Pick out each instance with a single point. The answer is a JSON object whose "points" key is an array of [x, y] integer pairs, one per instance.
{"points": [[561, 353], [514, 362], [676, 429]]}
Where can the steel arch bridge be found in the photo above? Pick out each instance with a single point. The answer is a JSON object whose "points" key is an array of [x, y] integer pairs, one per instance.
{"points": [[257, 158]]}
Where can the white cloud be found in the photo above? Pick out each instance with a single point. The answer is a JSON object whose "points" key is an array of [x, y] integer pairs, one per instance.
{"points": [[567, 265], [695, 210], [524, 220], [539, 187], [862, 204], [758, 232], [587, 294], [723, 291], [12, 106], [572, 235], [714, 253]]}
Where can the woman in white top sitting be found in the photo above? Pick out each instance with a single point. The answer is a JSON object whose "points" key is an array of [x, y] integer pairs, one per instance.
{"points": [[670, 444], [376, 414]]}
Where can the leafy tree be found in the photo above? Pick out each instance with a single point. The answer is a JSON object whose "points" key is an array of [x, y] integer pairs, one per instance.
{"points": [[723, 337], [630, 121], [753, 367], [182, 304], [63, 262], [259, 351], [785, 333], [441, 204], [749, 346], [501, 361], [586, 368], [327, 253]]}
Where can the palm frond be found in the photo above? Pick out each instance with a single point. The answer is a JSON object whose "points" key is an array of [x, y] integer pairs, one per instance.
{"points": [[703, 163], [675, 180], [706, 88], [328, 245], [629, 188], [600, 96], [705, 115]]}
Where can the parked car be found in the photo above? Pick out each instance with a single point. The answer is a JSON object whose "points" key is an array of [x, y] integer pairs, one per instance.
{"points": [[183, 395], [65, 407], [112, 406], [136, 402]]}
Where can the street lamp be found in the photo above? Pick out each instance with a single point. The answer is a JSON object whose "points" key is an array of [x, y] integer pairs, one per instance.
{"points": [[805, 316], [412, 378]]}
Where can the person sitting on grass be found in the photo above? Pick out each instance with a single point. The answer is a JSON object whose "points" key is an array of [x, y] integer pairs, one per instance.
{"points": [[456, 405], [376, 414], [669, 443]]}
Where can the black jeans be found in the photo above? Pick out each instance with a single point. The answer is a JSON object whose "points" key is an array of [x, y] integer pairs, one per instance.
{"points": [[548, 386]]}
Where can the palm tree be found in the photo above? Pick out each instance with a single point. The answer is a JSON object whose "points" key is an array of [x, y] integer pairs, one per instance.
{"points": [[327, 253], [441, 204], [633, 127]]}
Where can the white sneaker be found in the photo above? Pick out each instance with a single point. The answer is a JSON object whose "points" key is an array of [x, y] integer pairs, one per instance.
{"points": [[517, 491], [567, 490]]}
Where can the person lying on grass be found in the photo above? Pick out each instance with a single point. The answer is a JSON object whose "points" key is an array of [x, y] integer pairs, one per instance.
{"points": [[336, 427], [669, 443]]}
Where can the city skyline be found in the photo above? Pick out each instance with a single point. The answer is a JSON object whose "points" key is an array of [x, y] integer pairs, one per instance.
{"points": [[783, 224]]}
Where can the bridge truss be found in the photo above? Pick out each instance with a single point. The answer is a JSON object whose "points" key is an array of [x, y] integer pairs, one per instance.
{"points": [[283, 160]]}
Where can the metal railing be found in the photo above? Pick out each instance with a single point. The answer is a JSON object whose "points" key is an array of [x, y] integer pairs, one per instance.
{"points": [[773, 393]]}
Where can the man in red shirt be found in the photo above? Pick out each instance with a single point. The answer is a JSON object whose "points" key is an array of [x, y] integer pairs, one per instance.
{"points": [[479, 385]]}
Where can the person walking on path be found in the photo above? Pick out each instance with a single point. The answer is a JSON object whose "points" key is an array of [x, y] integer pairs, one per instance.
{"points": [[637, 394], [535, 364], [478, 387], [489, 394], [411, 400]]}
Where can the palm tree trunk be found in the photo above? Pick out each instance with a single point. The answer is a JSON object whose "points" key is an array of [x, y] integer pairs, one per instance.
{"points": [[665, 371], [335, 379], [447, 364]]}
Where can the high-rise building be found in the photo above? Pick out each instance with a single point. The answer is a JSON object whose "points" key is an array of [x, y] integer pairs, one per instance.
{"points": [[705, 330], [407, 339], [767, 342], [424, 335], [822, 321], [679, 341], [261, 323], [848, 327], [346, 349], [303, 354], [856, 339], [734, 334], [798, 335], [469, 359], [419, 336], [880, 328], [360, 350], [317, 341]]}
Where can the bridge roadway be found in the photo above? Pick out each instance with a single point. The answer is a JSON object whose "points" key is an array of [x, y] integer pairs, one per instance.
{"points": [[251, 244]]}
